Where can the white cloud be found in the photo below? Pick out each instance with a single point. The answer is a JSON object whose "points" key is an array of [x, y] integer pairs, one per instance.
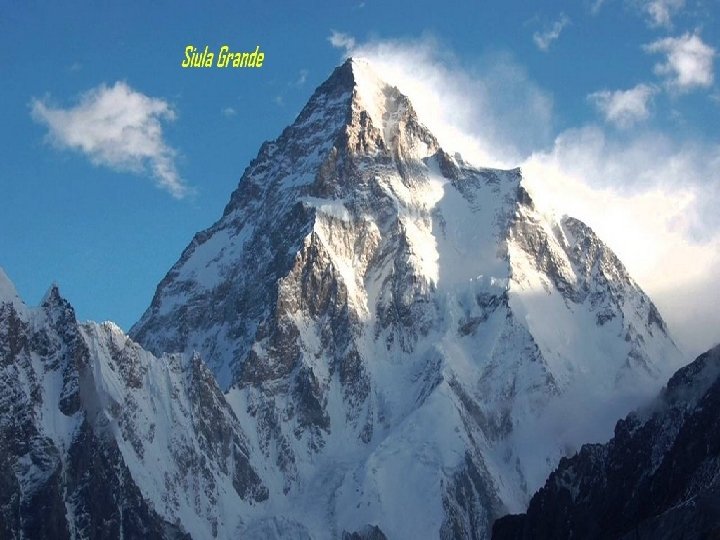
{"points": [[119, 128], [544, 39], [689, 61], [660, 12], [624, 107], [652, 201], [341, 41], [229, 111]]}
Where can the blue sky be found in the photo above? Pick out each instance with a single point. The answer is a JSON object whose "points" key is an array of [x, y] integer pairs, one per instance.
{"points": [[611, 102]]}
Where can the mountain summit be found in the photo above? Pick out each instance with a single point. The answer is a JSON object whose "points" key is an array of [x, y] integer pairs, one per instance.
{"points": [[353, 127], [407, 341]]}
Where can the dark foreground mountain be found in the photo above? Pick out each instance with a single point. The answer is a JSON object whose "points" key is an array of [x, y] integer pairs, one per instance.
{"points": [[658, 477], [404, 347]]}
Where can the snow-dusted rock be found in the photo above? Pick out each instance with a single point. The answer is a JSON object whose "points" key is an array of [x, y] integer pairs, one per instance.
{"points": [[100, 439]]}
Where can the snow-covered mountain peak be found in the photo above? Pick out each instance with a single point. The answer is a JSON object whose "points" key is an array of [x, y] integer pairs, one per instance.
{"points": [[52, 297], [7, 288], [102, 439], [387, 319], [8, 293], [55, 308]]}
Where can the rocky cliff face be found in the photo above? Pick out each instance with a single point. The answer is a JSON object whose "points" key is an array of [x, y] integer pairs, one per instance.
{"points": [[658, 477], [100, 439], [400, 334]]}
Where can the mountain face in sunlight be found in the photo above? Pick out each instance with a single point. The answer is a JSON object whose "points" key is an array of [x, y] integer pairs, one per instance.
{"points": [[398, 332]]}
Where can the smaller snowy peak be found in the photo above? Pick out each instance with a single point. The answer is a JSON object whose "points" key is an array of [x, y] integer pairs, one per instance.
{"points": [[108, 433], [8, 293], [113, 329], [52, 296], [58, 310], [7, 289], [53, 307]]}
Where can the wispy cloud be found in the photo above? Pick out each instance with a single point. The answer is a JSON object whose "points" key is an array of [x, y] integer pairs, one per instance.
{"points": [[596, 6], [688, 61], [624, 108], [340, 40], [302, 77], [660, 12], [545, 38], [652, 200], [119, 128]]}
